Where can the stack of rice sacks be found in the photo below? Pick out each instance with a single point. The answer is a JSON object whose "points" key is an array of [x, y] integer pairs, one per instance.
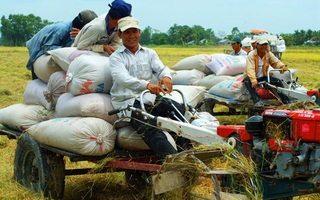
{"points": [[68, 108], [220, 74]]}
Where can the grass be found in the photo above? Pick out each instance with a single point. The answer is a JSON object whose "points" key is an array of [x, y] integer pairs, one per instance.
{"points": [[15, 76]]}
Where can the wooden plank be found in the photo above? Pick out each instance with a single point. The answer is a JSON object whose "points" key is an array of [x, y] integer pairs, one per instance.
{"points": [[167, 181]]}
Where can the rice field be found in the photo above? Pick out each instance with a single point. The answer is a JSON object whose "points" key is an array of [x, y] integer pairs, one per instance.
{"points": [[15, 76]]}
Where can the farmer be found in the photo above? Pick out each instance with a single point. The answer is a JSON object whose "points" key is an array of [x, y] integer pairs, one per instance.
{"points": [[256, 69], [54, 36], [236, 46], [101, 35], [253, 43], [132, 68]]}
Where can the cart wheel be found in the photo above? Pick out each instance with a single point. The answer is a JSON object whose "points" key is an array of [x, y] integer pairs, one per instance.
{"points": [[206, 105], [137, 180], [37, 169]]}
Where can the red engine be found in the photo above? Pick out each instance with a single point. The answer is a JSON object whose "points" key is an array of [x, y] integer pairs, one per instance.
{"points": [[301, 125], [305, 124], [283, 143]]}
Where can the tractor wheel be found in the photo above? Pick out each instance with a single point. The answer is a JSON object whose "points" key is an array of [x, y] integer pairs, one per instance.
{"points": [[39, 170], [206, 105]]}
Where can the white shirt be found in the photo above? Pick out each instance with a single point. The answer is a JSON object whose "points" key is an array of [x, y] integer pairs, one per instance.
{"points": [[94, 35], [132, 73], [240, 53], [260, 73]]}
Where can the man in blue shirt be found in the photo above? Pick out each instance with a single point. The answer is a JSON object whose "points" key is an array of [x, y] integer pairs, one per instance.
{"points": [[54, 36]]}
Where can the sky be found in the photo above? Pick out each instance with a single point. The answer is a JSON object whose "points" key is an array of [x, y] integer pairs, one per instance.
{"points": [[275, 16]]}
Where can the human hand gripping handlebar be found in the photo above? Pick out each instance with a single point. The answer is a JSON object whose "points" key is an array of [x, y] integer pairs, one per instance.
{"points": [[183, 129]]}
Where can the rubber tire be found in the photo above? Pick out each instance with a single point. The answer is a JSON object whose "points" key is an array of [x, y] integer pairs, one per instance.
{"points": [[39, 170], [206, 105]]}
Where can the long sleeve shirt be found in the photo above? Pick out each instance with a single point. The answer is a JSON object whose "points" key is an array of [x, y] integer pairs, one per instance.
{"points": [[131, 74], [94, 35], [50, 37], [257, 67]]}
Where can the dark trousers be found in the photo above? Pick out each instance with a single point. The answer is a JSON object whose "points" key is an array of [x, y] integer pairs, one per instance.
{"points": [[33, 75], [253, 93], [154, 137]]}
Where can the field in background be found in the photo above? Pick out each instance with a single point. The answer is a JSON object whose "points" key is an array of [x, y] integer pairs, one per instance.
{"points": [[14, 76]]}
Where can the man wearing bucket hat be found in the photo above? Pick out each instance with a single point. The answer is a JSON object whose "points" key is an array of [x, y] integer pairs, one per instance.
{"points": [[237, 47], [133, 68], [101, 34], [55, 36], [258, 62]]}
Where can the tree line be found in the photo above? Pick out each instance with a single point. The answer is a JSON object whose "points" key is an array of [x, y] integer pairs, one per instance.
{"points": [[17, 29]]}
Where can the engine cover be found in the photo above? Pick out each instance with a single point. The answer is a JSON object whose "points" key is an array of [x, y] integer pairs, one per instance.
{"points": [[301, 125]]}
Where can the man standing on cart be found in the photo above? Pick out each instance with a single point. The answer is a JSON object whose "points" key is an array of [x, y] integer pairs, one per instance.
{"points": [[258, 62], [133, 68]]}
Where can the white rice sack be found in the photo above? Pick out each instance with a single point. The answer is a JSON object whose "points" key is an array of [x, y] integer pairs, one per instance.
{"points": [[64, 56], [194, 62], [86, 136], [128, 138], [20, 116], [187, 77], [217, 55], [192, 94], [285, 76], [239, 77], [231, 89], [44, 66], [206, 120], [86, 105], [56, 87], [89, 74], [34, 93], [228, 65], [213, 79]]}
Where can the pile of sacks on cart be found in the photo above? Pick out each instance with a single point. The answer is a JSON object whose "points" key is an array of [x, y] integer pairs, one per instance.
{"points": [[67, 106]]}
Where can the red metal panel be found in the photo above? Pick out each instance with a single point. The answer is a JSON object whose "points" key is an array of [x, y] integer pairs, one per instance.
{"points": [[305, 130], [282, 145], [226, 130]]}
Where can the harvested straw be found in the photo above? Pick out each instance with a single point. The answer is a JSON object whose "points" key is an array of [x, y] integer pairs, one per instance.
{"points": [[299, 104], [201, 172]]}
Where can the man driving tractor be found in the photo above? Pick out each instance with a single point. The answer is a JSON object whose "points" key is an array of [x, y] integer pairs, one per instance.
{"points": [[258, 62]]}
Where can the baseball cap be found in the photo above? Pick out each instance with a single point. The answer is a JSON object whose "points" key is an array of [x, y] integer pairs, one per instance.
{"points": [[235, 40], [254, 39], [128, 22], [262, 41], [120, 9]]}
